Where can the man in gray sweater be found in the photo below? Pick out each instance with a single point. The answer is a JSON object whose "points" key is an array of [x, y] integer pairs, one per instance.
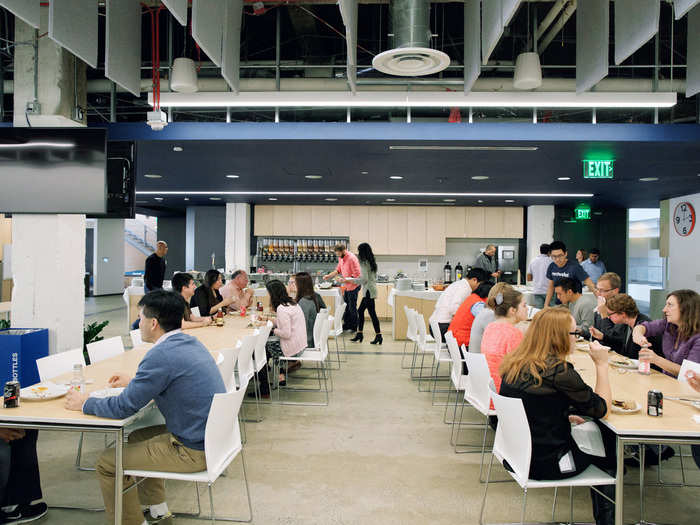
{"points": [[581, 306], [180, 375]]}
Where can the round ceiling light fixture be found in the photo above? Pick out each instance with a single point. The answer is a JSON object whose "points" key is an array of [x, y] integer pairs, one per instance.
{"points": [[396, 177], [178, 148], [391, 200], [313, 177], [186, 198], [479, 200], [272, 198], [649, 179], [480, 177], [158, 198], [331, 199], [367, 173], [153, 176], [510, 200], [214, 198], [411, 61], [563, 178], [232, 176], [449, 200]]}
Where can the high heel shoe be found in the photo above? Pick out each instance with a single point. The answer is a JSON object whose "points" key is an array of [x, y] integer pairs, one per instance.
{"points": [[357, 338], [377, 340]]}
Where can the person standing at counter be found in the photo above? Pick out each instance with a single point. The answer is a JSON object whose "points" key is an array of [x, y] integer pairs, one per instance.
{"points": [[207, 297], [453, 296], [310, 303], [155, 268], [348, 267], [487, 262], [236, 290], [561, 268], [593, 265], [537, 273], [368, 281]]}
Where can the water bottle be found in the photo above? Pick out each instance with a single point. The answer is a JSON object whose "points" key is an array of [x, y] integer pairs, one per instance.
{"points": [[78, 381]]}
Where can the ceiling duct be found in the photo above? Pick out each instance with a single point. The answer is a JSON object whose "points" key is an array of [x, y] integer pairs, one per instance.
{"points": [[411, 54]]}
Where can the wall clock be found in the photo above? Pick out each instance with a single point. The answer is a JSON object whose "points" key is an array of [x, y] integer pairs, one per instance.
{"points": [[684, 219]]}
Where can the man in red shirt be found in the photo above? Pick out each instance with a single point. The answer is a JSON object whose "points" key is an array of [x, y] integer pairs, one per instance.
{"points": [[348, 267]]}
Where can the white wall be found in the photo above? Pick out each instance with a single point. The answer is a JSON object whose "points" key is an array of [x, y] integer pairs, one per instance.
{"points": [[540, 229], [109, 257], [684, 252], [238, 229]]}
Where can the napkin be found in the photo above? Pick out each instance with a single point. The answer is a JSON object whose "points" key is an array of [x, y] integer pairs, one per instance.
{"points": [[588, 438], [685, 366], [696, 418]]}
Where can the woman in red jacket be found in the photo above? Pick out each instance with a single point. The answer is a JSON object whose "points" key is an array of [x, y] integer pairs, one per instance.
{"points": [[461, 325]]}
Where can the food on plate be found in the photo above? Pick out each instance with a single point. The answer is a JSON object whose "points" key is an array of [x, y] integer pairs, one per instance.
{"points": [[624, 404], [621, 361]]}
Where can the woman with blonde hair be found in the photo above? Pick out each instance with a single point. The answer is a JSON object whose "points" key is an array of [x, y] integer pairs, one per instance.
{"points": [[551, 390], [485, 317]]}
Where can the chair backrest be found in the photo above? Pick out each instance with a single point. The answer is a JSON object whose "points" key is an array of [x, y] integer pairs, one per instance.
{"points": [[322, 318], [259, 353], [420, 326], [222, 435], [338, 319], [437, 335], [478, 380], [136, 337], [246, 367], [195, 311], [101, 350], [453, 348], [513, 442], [227, 366], [57, 364], [411, 330]]}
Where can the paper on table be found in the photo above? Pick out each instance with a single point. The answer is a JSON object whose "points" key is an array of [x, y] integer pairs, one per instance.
{"points": [[696, 418], [588, 438], [685, 366]]}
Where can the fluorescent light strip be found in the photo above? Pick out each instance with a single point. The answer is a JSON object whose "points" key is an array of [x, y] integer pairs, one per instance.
{"points": [[365, 194], [403, 99], [32, 145], [464, 148]]}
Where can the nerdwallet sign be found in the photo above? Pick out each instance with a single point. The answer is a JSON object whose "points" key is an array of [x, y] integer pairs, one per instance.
{"points": [[598, 169]]}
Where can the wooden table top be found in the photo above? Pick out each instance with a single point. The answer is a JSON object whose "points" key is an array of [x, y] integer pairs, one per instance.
{"points": [[53, 411], [677, 420]]}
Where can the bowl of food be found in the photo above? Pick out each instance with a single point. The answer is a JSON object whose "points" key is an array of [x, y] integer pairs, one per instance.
{"points": [[438, 287]]}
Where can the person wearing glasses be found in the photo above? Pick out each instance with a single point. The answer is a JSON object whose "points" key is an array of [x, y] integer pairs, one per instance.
{"points": [[562, 268], [623, 312], [604, 329]]}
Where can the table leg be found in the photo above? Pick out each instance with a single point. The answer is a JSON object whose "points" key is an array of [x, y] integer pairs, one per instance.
{"points": [[118, 476], [642, 509], [619, 481]]}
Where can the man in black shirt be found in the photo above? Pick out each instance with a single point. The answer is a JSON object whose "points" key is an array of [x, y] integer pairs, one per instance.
{"points": [[562, 268], [155, 268]]}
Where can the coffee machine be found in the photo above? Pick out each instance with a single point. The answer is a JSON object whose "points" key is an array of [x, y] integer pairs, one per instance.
{"points": [[508, 264]]}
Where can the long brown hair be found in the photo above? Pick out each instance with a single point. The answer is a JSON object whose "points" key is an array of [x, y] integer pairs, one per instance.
{"points": [[546, 342], [689, 306], [305, 288]]}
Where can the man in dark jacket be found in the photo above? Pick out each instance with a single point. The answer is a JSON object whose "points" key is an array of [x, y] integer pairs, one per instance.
{"points": [[155, 268]]}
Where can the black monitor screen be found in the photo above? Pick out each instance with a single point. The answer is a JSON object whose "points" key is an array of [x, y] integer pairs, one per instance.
{"points": [[53, 170]]}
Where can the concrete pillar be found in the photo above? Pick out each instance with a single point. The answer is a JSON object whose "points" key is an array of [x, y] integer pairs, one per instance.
{"points": [[205, 232], [108, 278], [540, 229], [237, 236]]}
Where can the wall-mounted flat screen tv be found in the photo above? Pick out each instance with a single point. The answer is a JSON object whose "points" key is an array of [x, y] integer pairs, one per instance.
{"points": [[53, 170]]}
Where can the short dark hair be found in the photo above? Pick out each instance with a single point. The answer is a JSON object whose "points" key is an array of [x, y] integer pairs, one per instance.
{"points": [[567, 283], [594, 251], [339, 247], [236, 274], [557, 245], [180, 280], [483, 289], [479, 274], [545, 248], [168, 308]]}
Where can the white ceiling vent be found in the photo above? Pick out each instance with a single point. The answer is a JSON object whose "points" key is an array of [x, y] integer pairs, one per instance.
{"points": [[411, 54]]}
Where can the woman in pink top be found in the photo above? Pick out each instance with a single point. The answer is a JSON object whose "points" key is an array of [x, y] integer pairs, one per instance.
{"points": [[502, 336], [289, 334]]}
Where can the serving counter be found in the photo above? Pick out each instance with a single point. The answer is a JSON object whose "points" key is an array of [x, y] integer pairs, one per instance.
{"points": [[421, 301]]}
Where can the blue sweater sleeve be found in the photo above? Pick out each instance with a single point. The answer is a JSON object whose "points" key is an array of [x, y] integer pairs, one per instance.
{"points": [[151, 379]]}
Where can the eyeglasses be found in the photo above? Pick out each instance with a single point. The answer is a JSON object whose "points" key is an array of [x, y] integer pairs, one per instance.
{"points": [[573, 333], [562, 256]]}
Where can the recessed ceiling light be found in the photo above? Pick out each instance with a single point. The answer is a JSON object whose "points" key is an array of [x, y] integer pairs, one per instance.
{"points": [[563, 178], [232, 176], [272, 198], [391, 200], [367, 173], [177, 148], [313, 176], [214, 198], [449, 200], [479, 200], [396, 177], [479, 177], [510, 200], [158, 198], [649, 179], [186, 198], [331, 199], [153, 176]]}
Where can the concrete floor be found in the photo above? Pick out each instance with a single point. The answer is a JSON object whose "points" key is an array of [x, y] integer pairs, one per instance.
{"points": [[379, 454]]}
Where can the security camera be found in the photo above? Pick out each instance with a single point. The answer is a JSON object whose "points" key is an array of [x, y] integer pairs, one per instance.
{"points": [[157, 120]]}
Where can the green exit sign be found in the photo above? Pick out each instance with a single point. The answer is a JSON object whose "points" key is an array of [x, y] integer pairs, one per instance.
{"points": [[598, 169], [582, 212]]}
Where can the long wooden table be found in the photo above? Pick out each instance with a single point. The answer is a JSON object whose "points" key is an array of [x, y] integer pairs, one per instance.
{"points": [[52, 415], [676, 426]]}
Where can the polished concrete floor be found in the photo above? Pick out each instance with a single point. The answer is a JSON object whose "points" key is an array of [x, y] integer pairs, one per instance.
{"points": [[379, 454]]}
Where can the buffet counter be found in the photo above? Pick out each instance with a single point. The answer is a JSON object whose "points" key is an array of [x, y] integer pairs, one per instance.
{"points": [[331, 296], [421, 301]]}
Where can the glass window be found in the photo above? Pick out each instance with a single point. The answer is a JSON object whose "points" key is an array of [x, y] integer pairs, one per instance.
{"points": [[646, 268]]}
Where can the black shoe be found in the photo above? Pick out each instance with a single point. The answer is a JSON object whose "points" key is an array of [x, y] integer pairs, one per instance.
{"points": [[377, 340], [24, 513], [358, 338]]}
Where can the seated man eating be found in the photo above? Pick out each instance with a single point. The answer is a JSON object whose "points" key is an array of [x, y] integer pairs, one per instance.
{"points": [[180, 375]]}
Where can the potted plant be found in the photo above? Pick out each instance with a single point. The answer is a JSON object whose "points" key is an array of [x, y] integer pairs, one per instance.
{"points": [[91, 333]]}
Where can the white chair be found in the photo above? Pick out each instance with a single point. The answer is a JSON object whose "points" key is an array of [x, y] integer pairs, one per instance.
{"points": [[101, 350], [222, 443], [425, 345], [246, 366], [195, 311], [513, 444], [260, 362], [135, 338], [61, 363], [317, 355], [411, 334], [227, 365], [459, 381], [337, 330], [440, 355]]}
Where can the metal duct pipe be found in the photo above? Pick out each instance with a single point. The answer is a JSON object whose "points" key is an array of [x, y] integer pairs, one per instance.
{"points": [[548, 19], [563, 19], [410, 23]]}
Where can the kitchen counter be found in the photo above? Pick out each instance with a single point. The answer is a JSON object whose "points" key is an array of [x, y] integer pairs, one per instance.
{"points": [[331, 296], [422, 301], [422, 294]]}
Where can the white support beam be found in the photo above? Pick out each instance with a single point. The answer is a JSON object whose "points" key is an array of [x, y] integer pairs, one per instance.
{"points": [[348, 11], [472, 43], [231, 52], [592, 43], [636, 22]]}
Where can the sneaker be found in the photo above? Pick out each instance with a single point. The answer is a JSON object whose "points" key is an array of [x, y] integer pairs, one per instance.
{"points": [[24, 513], [165, 518]]}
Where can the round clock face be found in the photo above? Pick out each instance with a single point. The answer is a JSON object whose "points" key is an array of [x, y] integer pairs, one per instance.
{"points": [[684, 219]]}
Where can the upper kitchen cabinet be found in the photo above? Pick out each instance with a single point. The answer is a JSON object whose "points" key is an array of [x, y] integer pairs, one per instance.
{"points": [[435, 230], [301, 220], [455, 219], [416, 239], [340, 221], [378, 236], [282, 221], [494, 222], [320, 221], [359, 226], [264, 222], [398, 230], [475, 221], [513, 223]]}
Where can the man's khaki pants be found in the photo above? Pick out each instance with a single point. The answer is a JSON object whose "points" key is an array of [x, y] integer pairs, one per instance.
{"points": [[151, 448]]}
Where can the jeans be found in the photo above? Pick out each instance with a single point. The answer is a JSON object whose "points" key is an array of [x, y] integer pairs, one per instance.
{"points": [[538, 300], [20, 483], [350, 316], [367, 303]]}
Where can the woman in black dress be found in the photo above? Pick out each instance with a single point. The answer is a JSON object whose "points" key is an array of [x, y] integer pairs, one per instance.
{"points": [[207, 296]]}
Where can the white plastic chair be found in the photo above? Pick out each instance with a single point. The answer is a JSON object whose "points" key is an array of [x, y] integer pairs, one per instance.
{"points": [[222, 443], [458, 379], [226, 365], [195, 311], [440, 355], [513, 444], [101, 350], [246, 366], [425, 345], [135, 338], [260, 362], [61, 363], [317, 355], [411, 334], [336, 330]]}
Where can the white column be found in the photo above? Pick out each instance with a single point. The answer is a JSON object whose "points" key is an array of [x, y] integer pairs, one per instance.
{"points": [[237, 236], [48, 270], [109, 257], [540, 229]]}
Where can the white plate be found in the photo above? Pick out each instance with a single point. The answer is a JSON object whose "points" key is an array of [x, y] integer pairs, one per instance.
{"points": [[106, 392], [633, 363], [619, 410], [43, 392]]}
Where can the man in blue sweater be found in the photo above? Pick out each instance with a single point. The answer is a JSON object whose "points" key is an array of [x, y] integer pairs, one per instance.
{"points": [[180, 375]]}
